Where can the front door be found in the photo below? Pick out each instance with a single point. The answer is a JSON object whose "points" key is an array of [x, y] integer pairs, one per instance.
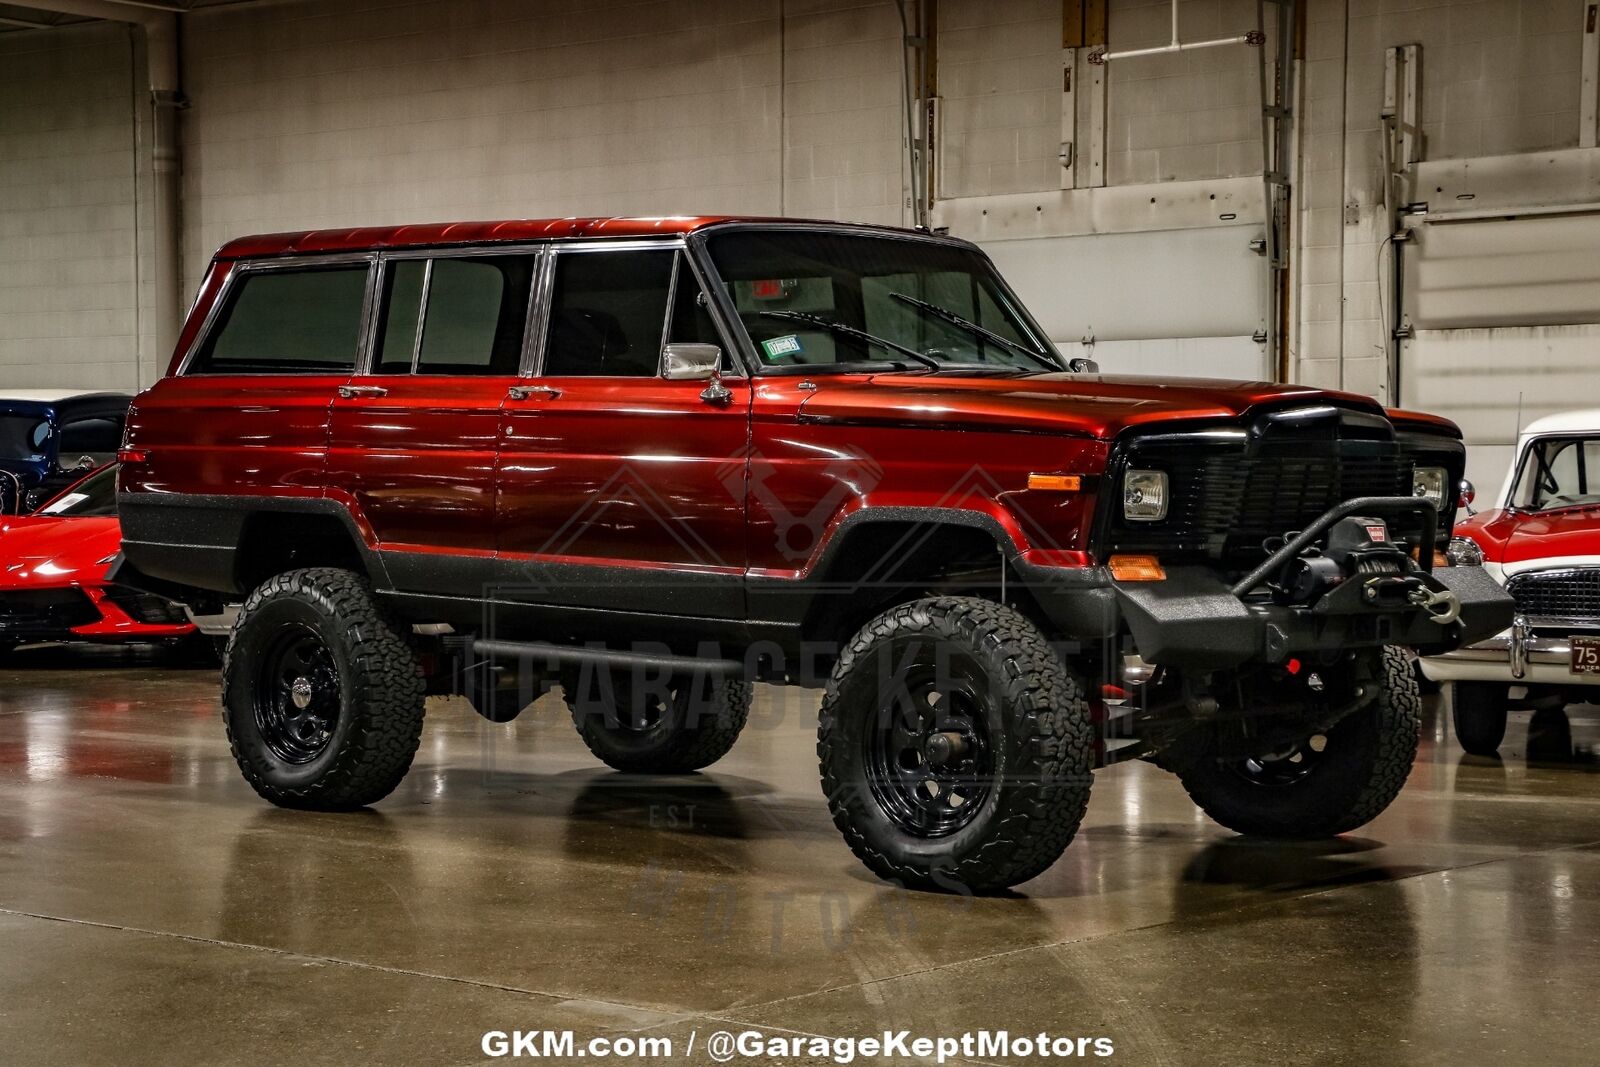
{"points": [[413, 440], [620, 489]]}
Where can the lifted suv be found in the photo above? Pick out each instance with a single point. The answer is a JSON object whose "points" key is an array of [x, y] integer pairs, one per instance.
{"points": [[654, 460]]}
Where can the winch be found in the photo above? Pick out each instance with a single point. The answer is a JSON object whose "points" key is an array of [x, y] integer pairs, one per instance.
{"points": [[1359, 550]]}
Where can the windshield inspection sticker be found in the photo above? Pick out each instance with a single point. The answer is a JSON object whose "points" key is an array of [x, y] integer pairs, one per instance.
{"points": [[781, 346]]}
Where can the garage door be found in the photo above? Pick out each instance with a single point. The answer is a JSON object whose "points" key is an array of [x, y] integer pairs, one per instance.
{"points": [[1168, 302], [1505, 325]]}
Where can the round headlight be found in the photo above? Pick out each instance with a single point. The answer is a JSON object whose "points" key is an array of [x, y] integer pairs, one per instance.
{"points": [[1463, 552], [1428, 483], [1144, 496]]}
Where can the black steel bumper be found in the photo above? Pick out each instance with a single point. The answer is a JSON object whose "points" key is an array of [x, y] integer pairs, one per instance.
{"points": [[1196, 618]]}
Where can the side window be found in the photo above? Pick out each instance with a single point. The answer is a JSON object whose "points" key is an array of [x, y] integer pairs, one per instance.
{"points": [[96, 438], [691, 314], [454, 316], [286, 321], [607, 314]]}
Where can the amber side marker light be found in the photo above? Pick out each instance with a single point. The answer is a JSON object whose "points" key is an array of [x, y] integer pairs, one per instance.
{"points": [[1136, 569], [1060, 483]]}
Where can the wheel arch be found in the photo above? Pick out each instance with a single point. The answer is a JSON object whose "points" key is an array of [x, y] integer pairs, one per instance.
{"points": [[880, 557]]}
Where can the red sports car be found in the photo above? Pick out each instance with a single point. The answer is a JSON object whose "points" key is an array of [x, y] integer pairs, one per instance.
{"points": [[53, 575]]}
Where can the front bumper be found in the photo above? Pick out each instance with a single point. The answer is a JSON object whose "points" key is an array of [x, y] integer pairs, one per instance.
{"points": [[1193, 618], [1516, 655], [85, 613]]}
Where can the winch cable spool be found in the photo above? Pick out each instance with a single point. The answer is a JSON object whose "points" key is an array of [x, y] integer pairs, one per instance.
{"points": [[1358, 548]]}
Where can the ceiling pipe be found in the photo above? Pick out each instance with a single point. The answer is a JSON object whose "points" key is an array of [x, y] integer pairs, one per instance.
{"points": [[160, 26]]}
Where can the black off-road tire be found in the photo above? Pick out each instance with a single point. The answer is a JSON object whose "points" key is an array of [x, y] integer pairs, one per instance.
{"points": [[1479, 711], [1039, 745], [1362, 767], [630, 727], [379, 686]]}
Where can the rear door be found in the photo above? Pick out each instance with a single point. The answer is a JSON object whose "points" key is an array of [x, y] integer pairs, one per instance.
{"points": [[247, 411], [414, 433], [619, 488]]}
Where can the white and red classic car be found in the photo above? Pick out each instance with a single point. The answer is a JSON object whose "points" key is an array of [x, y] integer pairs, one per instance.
{"points": [[1542, 541]]}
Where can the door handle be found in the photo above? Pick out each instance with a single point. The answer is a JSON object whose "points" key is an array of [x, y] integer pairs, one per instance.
{"points": [[522, 392], [350, 392]]}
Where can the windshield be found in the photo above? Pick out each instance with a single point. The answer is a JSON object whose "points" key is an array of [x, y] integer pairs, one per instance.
{"points": [[23, 437], [814, 299], [95, 496], [1559, 472]]}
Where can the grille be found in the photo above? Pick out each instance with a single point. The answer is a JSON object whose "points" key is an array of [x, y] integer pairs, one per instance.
{"points": [[1564, 594], [1226, 501], [45, 612], [146, 607]]}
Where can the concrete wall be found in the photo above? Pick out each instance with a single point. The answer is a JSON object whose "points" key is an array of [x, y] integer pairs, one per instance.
{"points": [[67, 218], [304, 116]]}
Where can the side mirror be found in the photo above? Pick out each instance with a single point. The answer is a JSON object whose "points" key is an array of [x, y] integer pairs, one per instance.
{"points": [[1469, 493], [690, 363], [1080, 365]]}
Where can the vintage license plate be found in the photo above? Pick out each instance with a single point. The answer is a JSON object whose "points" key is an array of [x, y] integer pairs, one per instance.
{"points": [[1586, 655]]}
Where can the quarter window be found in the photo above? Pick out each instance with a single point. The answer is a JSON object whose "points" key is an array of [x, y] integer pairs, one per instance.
{"points": [[304, 321], [607, 314], [454, 316]]}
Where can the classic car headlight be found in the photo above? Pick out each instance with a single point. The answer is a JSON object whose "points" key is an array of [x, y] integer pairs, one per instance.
{"points": [[1144, 496], [1463, 552], [1429, 483]]}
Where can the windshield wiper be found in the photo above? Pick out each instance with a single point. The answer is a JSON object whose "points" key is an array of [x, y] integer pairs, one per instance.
{"points": [[851, 331], [982, 331]]}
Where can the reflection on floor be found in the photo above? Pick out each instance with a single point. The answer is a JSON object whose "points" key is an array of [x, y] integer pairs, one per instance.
{"points": [[153, 910]]}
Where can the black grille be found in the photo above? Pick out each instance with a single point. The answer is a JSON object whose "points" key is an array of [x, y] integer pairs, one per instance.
{"points": [[1563, 594], [45, 613], [147, 607], [1226, 499]]}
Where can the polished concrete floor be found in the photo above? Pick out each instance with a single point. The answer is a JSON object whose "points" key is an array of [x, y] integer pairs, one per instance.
{"points": [[152, 910]]}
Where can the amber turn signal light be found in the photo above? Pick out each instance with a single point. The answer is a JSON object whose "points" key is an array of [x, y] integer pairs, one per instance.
{"points": [[1060, 483], [1136, 569]]}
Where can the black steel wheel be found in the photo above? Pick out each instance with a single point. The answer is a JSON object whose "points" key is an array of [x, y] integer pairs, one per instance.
{"points": [[649, 725], [1326, 783], [955, 746], [1284, 766], [297, 695], [321, 694], [930, 762]]}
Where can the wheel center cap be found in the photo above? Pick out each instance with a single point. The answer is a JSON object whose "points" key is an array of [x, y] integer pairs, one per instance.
{"points": [[941, 748], [300, 692]]}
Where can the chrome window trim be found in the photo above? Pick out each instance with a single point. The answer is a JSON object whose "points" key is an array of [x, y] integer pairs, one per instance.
{"points": [[241, 269], [746, 347], [429, 255], [675, 244], [1520, 460]]}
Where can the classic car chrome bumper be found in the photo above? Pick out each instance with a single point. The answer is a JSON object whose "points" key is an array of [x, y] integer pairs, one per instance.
{"points": [[1517, 655]]}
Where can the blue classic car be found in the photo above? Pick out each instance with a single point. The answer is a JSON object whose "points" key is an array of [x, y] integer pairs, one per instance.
{"points": [[51, 438]]}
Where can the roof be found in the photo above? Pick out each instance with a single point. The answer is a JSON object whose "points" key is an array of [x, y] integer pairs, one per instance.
{"points": [[453, 233], [1582, 420], [56, 396]]}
